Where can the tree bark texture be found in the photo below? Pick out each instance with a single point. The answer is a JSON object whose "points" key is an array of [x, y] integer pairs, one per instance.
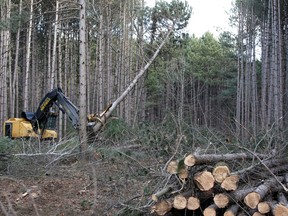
{"points": [[82, 78]]}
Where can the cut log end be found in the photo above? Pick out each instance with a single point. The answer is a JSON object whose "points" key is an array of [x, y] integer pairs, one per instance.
{"points": [[263, 207], [210, 211], [161, 208], [229, 213], [230, 183], [232, 210], [252, 200], [193, 203], [204, 180], [190, 160], [220, 172], [221, 200], [180, 202], [280, 210], [172, 167]]}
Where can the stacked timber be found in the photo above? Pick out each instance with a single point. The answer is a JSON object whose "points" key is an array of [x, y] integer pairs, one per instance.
{"points": [[227, 184]]}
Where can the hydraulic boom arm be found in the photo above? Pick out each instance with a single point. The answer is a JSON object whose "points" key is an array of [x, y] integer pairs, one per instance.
{"points": [[56, 96]]}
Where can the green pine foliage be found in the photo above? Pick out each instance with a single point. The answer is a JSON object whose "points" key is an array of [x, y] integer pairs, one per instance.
{"points": [[191, 63]]}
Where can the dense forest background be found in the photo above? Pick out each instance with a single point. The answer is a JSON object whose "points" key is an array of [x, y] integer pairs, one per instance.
{"points": [[235, 84]]}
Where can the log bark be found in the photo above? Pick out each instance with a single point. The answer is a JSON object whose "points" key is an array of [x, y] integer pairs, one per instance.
{"points": [[286, 179], [220, 172], [221, 200], [193, 203], [204, 180], [282, 199], [193, 159], [230, 183], [242, 213], [241, 193], [180, 202], [259, 166]]}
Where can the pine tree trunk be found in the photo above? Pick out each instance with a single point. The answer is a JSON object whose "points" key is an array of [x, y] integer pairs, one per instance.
{"points": [[49, 59], [4, 61], [286, 56], [66, 74], [54, 49], [240, 78], [100, 69], [254, 93], [60, 82], [14, 84], [82, 78], [28, 57]]}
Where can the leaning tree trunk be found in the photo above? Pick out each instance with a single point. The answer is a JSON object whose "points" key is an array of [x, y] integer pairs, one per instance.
{"points": [[142, 71]]}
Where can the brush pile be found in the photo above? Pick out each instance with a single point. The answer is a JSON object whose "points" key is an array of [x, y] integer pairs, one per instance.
{"points": [[228, 184]]}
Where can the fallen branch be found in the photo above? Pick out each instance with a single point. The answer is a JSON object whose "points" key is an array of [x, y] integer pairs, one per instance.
{"points": [[267, 168], [161, 193]]}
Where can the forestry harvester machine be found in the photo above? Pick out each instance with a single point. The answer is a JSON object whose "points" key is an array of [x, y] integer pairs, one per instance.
{"points": [[37, 124]]}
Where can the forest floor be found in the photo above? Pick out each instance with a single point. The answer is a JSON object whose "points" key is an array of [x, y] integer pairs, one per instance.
{"points": [[99, 186]]}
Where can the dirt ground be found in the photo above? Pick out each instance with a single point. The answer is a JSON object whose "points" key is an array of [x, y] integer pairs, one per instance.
{"points": [[102, 186]]}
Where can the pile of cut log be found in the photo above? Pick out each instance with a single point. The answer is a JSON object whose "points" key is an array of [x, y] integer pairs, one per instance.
{"points": [[227, 184]]}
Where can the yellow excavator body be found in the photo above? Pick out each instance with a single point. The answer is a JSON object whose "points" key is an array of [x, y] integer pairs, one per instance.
{"points": [[40, 124], [21, 128]]}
